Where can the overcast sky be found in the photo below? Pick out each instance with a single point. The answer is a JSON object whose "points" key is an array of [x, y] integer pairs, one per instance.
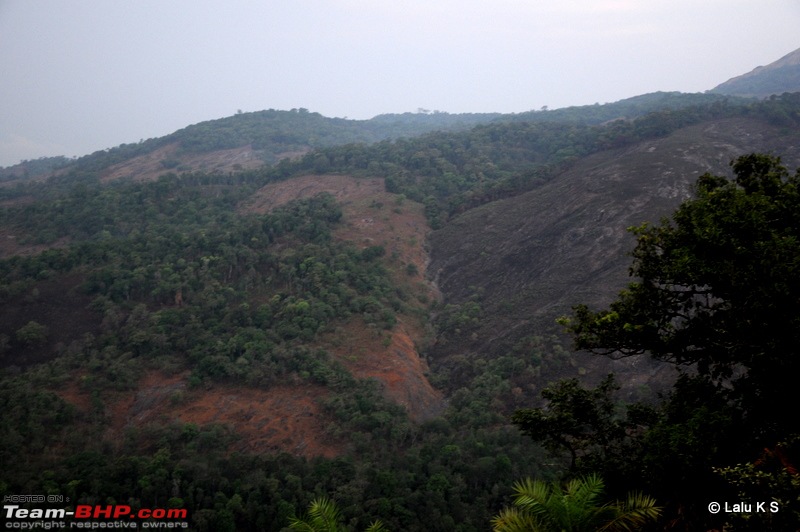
{"points": [[81, 75]]}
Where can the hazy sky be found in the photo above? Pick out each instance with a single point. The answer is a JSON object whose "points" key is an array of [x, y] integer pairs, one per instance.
{"points": [[81, 75]]}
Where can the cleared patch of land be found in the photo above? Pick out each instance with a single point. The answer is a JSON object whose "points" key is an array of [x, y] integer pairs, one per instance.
{"points": [[374, 217], [169, 158], [286, 418]]}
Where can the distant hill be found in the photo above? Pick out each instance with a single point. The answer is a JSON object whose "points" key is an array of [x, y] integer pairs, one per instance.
{"points": [[242, 141], [246, 141], [628, 108], [776, 78]]}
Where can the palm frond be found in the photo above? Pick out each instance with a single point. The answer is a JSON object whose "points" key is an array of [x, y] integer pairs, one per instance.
{"points": [[301, 524], [585, 491], [531, 493], [514, 520], [376, 526], [543, 506], [323, 516], [637, 510]]}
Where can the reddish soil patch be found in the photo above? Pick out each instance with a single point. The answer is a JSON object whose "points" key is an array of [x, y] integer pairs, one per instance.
{"points": [[72, 393], [397, 224], [282, 418], [231, 160], [391, 358], [279, 419], [145, 167], [293, 155], [345, 189], [372, 217]]}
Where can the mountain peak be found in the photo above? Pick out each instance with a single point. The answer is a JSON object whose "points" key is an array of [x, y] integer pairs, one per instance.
{"points": [[777, 77]]}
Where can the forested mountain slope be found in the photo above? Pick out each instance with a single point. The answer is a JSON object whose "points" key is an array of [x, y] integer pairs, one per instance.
{"points": [[250, 140], [242, 141], [359, 321]]}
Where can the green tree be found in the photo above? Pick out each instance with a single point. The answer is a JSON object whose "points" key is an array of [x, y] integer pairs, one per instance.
{"points": [[544, 507], [718, 290], [584, 422], [772, 478], [32, 334], [717, 295]]}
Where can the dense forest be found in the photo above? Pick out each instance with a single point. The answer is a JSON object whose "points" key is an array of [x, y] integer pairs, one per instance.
{"points": [[173, 276], [255, 292]]}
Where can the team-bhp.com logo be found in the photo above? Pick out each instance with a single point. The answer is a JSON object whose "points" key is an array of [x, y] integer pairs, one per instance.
{"points": [[90, 516]]}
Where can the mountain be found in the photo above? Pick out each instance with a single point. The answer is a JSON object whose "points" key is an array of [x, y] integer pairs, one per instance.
{"points": [[527, 259], [242, 141], [247, 141], [776, 78], [343, 312]]}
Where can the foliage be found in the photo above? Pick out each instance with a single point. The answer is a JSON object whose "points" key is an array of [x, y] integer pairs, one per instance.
{"points": [[271, 133], [630, 108], [32, 168], [325, 516], [716, 295], [583, 422], [718, 289], [541, 506], [32, 333], [451, 172], [176, 277], [771, 479]]}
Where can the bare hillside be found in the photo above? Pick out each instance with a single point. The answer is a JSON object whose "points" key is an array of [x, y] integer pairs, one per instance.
{"points": [[528, 259]]}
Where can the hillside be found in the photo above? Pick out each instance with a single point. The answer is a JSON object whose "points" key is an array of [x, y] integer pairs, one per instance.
{"points": [[371, 217], [247, 141], [778, 77], [526, 260], [357, 319], [239, 142]]}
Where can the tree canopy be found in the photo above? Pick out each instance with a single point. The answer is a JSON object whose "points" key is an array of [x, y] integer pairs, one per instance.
{"points": [[716, 294], [718, 288]]}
